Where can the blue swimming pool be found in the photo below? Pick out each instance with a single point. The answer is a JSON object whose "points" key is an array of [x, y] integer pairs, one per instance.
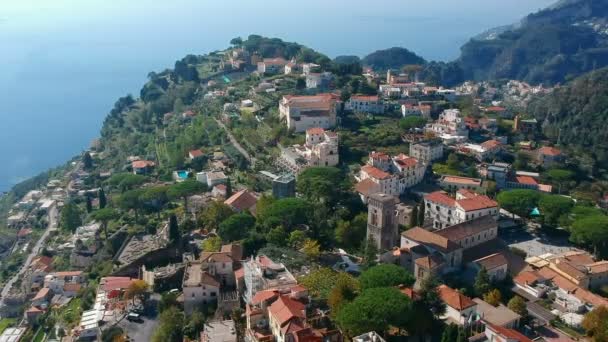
{"points": [[182, 174]]}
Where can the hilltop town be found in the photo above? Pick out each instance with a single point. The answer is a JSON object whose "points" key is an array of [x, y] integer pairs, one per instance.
{"points": [[268, 193]]}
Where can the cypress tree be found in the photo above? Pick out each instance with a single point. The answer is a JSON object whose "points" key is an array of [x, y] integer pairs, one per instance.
{"points": [[89, 204], [102, 198]]}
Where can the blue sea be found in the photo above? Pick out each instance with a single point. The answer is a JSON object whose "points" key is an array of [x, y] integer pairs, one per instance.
{"points": [[64, 62]]}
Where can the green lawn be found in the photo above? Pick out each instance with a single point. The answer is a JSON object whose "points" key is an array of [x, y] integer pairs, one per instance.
{"points": [[39, 337], [71, 313], [6, 322]]}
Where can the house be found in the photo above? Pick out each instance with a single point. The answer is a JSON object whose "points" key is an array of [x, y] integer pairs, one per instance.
{"points": [[241, 201], [261, 273], [42, 298], [468, 234], [578, 267], [284, 186], [459, 308], [319, 80], [308, 68], [549, 156], [285, 315], [410, 110], [220, 265], [292, 67], [212, 178], [367, 104], [497, 315], [525, 126], [389, 175], [199, 287], [455, 183], [483, 151], [320, 149], [499, 111], [12, 334], [445, 211], [66, 283], [304, 112], [449, 126], [194, 154], [219, 191], [532, 283], [496, 333], [142, 167], [272, 65], [495, 264]]}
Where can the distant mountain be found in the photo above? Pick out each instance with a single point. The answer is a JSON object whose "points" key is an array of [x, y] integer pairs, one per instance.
{"points": [[393, 58], [550, 46], [576, 116]]}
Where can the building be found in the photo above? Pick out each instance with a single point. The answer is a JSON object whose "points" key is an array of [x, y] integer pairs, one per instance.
{"points": [[392, 176], [578, 267], [426, 152], [450, 123], [495, 264], [484, 151], [459, 308], [241, 201], [142, 167], [525, 126], [371, 336], [495, 333], [409, 109], [219, 331], [445, 211], [211, 178], [382, 228], [284, 186], [497, 315], [199, 288], [304, 112], [320, 149], [455, 183], [272, 66], [319, 80], [194, 154], [549, 156], [471, 233], [261, 273], [363, 103]]}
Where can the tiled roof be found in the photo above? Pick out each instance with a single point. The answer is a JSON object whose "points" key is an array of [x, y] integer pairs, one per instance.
{"points": [[68, 274], [234, 250], [473, 227], [140, 164], [527, 278], [375, 172], [429, 262], [549, 151], [275, 61], [440, 197], [196, 153], [284, 309], [495, 109], [115, 283], [454, 298], [72, 287], [208, 279], [315, 130], [379, 156], [492, 261], [262, 296], [490, 144], [365, 98], [242, 200], [509, 334], [461, 180], [216, 257], [406, 161], [476, 203], [367, 187], [432, 239], [598, 267], [43, 293], [526, 180]]}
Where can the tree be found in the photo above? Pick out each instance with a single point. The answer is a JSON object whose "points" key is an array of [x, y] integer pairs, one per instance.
{"points": [[344, 291], [170, 326], [385, 275], [137, 289], [552, 207], [236, 227], [375, 309], [370, 252], [453, 162], [411, 122], [319, 282], [286, 212], [296, 239], [351, 234], [482, 282], [414, 217], [560, 176], [311, 249], [238, 41], [519, 201], [127, 181], [104, 216], [421, 213], [518, 305], [429, 296], [174, 234], [450, 333], [228, 188], [592, 230], [213, 215], [493, 297], [168, 300], [277, 236], [196, 324], [211, 244], [102, 198], [89, 204], [320, 183], [186, 189], [87, 161], [131, 200], [71, 217], [595, 323], [521, 161]]}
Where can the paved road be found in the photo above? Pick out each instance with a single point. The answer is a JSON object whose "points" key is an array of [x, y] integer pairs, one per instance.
{"points": [[52, 226], [236, 144], [539, 312]]}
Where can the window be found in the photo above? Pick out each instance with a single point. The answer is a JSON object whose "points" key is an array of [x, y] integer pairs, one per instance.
{"points": [[213, 294], [193, 295]]}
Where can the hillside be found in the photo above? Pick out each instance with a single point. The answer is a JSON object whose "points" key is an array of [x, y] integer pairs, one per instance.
{"points": [[576, 116], [393, 58], [551, 46]]}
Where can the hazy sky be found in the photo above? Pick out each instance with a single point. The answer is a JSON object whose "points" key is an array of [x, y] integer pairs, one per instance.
{"points": [[65, 62]]}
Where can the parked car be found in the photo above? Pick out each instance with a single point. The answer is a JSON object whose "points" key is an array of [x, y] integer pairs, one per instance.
{"points": [[134, 317]]}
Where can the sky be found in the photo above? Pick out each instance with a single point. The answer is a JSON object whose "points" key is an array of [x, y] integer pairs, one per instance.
{"points": [[65, 62]]}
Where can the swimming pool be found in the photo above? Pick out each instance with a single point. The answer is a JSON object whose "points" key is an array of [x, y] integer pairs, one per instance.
{"points": [[182, 174]]}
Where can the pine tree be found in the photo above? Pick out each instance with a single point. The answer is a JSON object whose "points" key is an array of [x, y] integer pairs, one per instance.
{"points": [[89, 204], [174, 234], [228, 188], [102, 198], [482, 282], [87, 160]]}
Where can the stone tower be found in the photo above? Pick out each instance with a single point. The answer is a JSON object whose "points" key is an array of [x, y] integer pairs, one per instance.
{"points": [[382, 221]]}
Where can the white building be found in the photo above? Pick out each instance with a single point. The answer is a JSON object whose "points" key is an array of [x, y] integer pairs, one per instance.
{"points": [[304, 112], [450, 123], [199, 288], [367, 104], [319, 80], [392, 176], [261, 273], [321, 149], [445, 211], [483, 151], [459, 308], [211, 178], [426, 152], [272, 65]]}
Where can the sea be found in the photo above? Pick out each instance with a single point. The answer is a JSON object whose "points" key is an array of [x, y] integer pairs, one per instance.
{"points": [[63, 63]]}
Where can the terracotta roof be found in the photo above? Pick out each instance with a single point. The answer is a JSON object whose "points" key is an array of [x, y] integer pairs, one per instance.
{"points": [[454, 298], [216, 257], [285, 309], [461, 180], [72, 287], [406, 161], [23, 232], [115, 283], [549, 151], [195, 153], [492, 261], [141, 164], [432, 239], [367, 187], [242, 200], [234, 250], [320, 101], [275, 61], [43, 293], [429, 262], [262, 296], [208, 279], [507, 333], [372, 98], [375, 172], [526, 180], [379, 155], [570, 269], [315, 130], [495, 109], [408, 291], [476, 203], [33, 310], [527, 278], [490, 144], [556, 278], [598, 267], [440, 197], [589, 297], [68, 274], [240, 273], [473, 227]]}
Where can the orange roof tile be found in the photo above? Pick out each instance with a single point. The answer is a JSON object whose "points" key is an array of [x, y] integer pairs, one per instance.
{"points": [[242, 200], [425, 237], [526, 180], [440, 197], [375, 172], [454, 298], [507, 333], [315, 130], [285, 309], [549, 151], [367, 187]]}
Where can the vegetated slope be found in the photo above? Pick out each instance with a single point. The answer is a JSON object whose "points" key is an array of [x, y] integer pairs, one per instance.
{"points": [[576, 116], [551, 46], [393, 58]]}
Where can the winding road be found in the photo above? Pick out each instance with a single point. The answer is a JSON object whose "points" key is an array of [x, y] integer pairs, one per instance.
{"points": [[52, 226], [236, 144]]}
